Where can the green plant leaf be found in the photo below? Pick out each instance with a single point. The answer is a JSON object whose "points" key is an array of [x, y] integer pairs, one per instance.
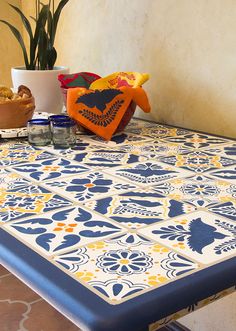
{"points": [[24, 21], [42, 49], [56, 17], [19, 38], [52, 57], [40, 23]]}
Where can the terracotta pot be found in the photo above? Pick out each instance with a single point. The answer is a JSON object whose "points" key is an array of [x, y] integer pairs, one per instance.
{"points": [[15, 114]]}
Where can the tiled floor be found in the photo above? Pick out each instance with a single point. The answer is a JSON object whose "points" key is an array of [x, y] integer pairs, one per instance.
{"points": [[21, 309]]}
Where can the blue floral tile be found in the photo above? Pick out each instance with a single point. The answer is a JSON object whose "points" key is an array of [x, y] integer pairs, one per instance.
{"points": [[198, 162], [227, 209], [50, 169], [11, 181], [228, 150], [202, 236], [228, 174], [21, 153], [154, 149], [89, 186], [103, 158], [201, 191], [118, 139], [139, 208], [60, 230], [118, 273], [29, 200], [197, 140], [148, 173]]}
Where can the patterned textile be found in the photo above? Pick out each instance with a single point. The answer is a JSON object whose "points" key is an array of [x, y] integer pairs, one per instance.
{"points": [[80, 79], [119, 79], [101, 111], [109, 103]]}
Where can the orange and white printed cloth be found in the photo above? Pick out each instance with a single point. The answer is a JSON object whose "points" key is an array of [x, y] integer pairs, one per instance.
{"points": [[101, 108]]}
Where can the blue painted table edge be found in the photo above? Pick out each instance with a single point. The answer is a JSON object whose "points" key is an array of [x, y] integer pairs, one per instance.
{"points": [[90, 312]]}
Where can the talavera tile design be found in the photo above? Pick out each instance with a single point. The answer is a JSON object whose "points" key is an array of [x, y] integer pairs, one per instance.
{"points": [[30, 200], [154, 149], [120, 138], [103, 158], [198, 162], [158, 131], [199, 190], [89, 186], [200, 235], [228, 150], [197, 140], [21, 153], [11, 181], [148, 173], [63, 229], [119, 272], [50, 169], [139, 208], [124, 217], [228, 174]]}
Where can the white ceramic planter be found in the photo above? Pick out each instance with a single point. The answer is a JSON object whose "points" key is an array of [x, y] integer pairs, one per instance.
{"points": [[44, 86]]}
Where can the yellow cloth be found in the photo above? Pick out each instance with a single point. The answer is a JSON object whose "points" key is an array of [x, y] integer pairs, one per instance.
{"points": [[119, 79]]}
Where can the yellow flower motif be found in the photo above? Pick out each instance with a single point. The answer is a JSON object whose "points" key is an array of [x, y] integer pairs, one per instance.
{"points": [[180, 245], [183, 221], [160, 249], [50, 168], [86, 276], [97, 245], [156, 280], [65, 227]]}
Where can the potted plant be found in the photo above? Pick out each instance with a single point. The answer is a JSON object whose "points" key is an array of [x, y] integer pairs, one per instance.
{"points": [[39, 72]]}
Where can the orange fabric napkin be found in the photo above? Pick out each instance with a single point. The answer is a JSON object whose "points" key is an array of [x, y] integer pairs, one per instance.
{"points": [[101, 111]]}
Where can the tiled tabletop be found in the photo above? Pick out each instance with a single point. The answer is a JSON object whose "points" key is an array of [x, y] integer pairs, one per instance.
{"points": [[122, 235]]}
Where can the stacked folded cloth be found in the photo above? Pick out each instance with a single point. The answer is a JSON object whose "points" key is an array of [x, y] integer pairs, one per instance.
{"points": [[104, 105]]}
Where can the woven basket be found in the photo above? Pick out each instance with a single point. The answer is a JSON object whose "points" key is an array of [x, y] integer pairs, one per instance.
{"points": [[124, 121]]}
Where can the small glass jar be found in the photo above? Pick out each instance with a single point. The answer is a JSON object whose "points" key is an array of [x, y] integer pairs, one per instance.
{"points": [[39, 133], [64, 133]]}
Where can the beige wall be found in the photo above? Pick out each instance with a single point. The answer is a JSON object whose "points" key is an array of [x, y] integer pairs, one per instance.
{"points": [[187, 46], [10, 52]]}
